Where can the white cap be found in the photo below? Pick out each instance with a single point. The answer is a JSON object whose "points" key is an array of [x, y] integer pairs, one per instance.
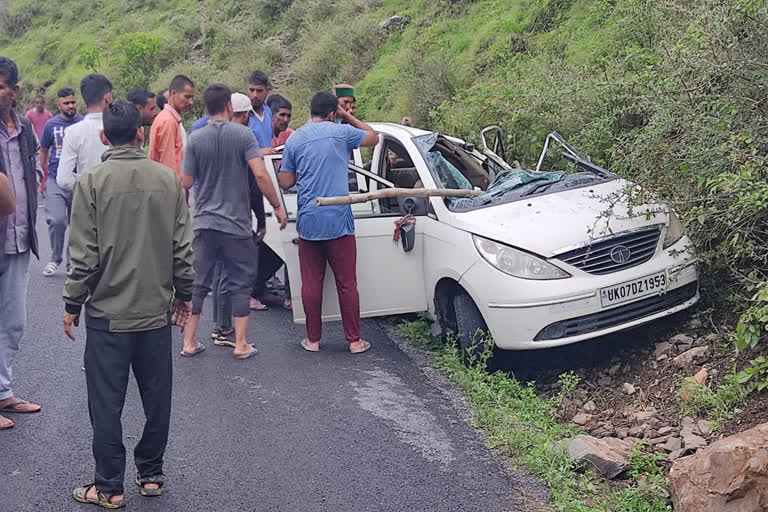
{"points": [[241, 103]]}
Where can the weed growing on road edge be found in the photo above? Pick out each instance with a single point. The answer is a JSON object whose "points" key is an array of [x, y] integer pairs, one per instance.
{"points": [[522, 425]]}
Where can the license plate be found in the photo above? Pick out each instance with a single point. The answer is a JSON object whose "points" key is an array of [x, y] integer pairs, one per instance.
{"points": [[631, 290]]}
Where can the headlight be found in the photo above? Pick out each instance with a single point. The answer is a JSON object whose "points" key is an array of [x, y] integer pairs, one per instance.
{"points": [[674, 230], [516, 263]]}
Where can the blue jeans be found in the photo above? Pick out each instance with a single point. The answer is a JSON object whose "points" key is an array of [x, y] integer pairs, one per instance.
{"points": [[14, 276]]}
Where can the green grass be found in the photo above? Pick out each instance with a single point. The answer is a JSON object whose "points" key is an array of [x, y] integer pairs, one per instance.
{"points": [[522, 425]]}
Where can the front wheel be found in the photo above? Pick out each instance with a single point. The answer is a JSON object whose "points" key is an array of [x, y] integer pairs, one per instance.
{"points": [[473, 335]]}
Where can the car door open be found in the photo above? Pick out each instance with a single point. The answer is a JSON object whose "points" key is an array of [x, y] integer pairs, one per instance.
{"points": [[390, 280]]}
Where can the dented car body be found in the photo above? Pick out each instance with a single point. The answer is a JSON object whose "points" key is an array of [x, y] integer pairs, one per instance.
{"points": [[538, 259]]}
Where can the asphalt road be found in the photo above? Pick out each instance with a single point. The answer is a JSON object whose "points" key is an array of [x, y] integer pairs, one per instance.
{"points": [[284, 431]]}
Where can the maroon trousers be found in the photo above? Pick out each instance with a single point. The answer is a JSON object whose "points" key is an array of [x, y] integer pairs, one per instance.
{"points": [[341, 255]]}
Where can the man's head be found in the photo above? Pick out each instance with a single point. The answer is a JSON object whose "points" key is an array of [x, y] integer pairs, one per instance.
{"points": [[145, 103], [258, 89], [66, 102], [241, 108], [323, 106], [346, 95], [40, 103], [161, 99], [282, 110], [96, 91], [121, 125], [181, 93], [217, 99], [9, 84]]}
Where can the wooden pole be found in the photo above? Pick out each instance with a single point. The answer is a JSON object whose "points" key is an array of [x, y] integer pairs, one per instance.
{"points": [[396, 192]]}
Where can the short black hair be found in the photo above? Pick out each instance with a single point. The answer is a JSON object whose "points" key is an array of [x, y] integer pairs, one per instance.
{"points": [[9, 71], [139, 96], [121, 122], [93, 88], [258, 77], [216, 97], [323, 103], [160, 100], [180, 82], [40, 96], [275, 102], [64, 92]]}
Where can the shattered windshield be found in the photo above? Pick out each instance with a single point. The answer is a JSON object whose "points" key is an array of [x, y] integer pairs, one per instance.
{"points": [[455, 167]]}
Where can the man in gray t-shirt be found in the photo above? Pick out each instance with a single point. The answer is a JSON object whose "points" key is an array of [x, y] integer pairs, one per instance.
{"points": [[220, 156]]}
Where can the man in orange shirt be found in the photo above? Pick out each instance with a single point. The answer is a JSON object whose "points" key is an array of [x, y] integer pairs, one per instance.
{"points": [[167, 137]]}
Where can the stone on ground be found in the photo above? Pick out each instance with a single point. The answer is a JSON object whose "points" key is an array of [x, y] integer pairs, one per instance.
{"points": [[608, 456]]}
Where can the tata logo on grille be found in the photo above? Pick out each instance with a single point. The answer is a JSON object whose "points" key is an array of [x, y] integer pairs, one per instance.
{"points": [[620, 254]]}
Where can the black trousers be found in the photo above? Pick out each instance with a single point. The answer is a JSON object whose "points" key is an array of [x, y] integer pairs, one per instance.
{"points": [[109, 357]]}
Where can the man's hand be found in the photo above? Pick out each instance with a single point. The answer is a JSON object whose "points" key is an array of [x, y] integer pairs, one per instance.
{"points": [[42, 185], [268, 151], [180, 312], [260, 234], [68, 320], [282, 217], [341, 113]]}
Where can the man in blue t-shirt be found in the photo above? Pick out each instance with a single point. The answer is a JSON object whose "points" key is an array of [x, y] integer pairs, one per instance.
{"points": [[260, 122], [58, 201], [316, 158]]}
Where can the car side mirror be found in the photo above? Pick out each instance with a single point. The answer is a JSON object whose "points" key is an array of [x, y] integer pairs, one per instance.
{"points": [[408, 237]]}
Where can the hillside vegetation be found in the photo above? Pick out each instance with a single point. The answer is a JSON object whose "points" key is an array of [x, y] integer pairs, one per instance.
{"points": [[671, 94]]}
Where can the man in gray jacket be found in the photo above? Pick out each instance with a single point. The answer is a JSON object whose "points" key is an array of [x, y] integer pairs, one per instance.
{"points": [[131, 250]]}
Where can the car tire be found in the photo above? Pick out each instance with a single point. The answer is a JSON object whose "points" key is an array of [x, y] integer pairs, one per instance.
{"points": [[472, 328]]}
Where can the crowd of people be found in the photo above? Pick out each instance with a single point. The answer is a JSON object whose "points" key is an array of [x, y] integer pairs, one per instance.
{"points": [[157, 225]]}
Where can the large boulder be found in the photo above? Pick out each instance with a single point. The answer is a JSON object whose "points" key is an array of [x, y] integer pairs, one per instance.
{"points": [[731, 475], [608, 456]]}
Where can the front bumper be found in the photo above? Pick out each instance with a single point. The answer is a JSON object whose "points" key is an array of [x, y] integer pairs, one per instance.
{"points": [[546, 314]]}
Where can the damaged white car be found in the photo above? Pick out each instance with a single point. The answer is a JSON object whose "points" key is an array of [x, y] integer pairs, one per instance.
{"points": [[536, 258]]}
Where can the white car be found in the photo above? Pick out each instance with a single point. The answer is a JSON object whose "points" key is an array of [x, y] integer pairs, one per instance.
{"points": [[540, 259]]}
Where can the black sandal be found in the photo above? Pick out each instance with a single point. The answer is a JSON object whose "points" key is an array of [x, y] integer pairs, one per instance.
{"points": [[103, 499], [154, 479]]}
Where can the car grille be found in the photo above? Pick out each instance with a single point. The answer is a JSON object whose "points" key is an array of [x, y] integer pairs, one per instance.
{"points": [[619, 315], [615, 253]]}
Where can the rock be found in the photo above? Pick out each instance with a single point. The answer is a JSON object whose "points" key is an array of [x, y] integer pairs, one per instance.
{"points": [[613, 370], [604, 430], [704, 427], [582, 419], [395, 23], [590, 406], [645, 415], [608, 457], [683, 348], [638, 430], [605, 381], [666, 430], [690, 356], [628, 388], [608, 413], [681, 339], [677, 454], [650, 434], [729, 476], [673, 444], [693, 442], [662, 349], [660, 439], [622, 432], [691, 384], [662, 357]]}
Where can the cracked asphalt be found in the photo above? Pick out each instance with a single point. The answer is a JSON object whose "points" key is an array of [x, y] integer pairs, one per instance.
{"points": [[284, 431]]}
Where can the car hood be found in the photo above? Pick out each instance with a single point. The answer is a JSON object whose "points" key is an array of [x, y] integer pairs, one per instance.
{"points": [[552, 223]]}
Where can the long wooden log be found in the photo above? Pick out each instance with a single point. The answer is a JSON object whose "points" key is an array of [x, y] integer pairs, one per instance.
{"points": [[396, 192]]}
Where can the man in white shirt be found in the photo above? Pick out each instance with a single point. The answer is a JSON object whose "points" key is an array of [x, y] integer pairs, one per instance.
{"points": [[82, 147]]}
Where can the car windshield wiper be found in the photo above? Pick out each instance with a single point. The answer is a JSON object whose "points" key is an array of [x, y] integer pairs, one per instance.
{"points": [[541, 186]]}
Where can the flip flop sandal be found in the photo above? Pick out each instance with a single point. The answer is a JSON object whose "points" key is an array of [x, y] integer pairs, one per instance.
{"points": [[309, 348], [260, 307], [50, 269], [224, 340], [198, 349], [154, 479], [103, 499], [252, 352], [14, 407], [8, 425], [364, 348]]}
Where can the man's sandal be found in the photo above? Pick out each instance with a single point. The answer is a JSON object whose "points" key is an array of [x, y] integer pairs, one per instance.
{"points": [[17, 405], [50, 269], [5, 423], [154, 479], [103, 500]]}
